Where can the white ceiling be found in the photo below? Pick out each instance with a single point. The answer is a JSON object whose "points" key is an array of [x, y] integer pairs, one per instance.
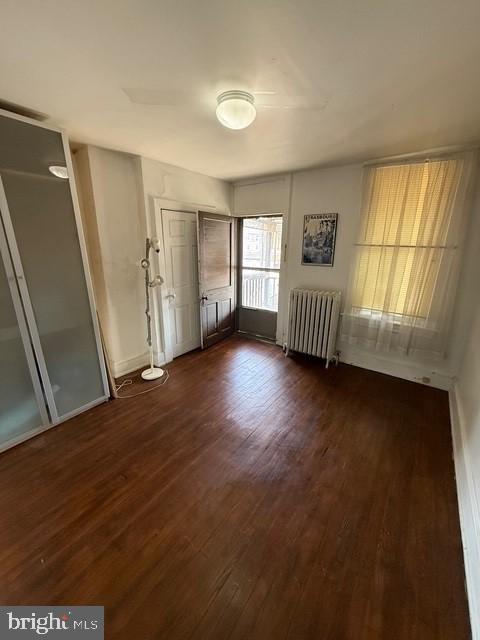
{"points": [[387, 76]]}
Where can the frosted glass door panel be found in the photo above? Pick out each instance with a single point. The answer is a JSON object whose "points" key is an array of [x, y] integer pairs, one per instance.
{"points": [[19, 411], [43, 220]]}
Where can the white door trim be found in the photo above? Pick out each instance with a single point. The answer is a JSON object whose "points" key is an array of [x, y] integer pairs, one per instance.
{"points": [[163, 302], [154, 227]]}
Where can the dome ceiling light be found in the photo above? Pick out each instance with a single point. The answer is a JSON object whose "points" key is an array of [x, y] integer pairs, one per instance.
{"points": [[236, 109]]}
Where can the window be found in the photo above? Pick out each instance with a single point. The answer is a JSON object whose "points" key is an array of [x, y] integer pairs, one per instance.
{"points": [[403, 237], [406, 264], [260, 262]]}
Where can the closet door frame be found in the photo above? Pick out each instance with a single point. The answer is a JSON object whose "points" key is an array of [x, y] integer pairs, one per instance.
{"points": [[25, 336], [22, 284], [87, 276], [27, 305]]}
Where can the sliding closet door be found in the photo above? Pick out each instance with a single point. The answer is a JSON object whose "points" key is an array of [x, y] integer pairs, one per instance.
{"points": [[42, 235], [22, 407]]}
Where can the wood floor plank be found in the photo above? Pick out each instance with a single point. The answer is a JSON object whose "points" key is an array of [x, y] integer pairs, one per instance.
{"points": [[253, 496]]}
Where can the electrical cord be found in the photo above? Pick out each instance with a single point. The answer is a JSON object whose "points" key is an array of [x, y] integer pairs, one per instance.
{"points": [[129, 381]]}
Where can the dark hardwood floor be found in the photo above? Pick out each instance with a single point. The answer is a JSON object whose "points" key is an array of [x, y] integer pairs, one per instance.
{"points": [[252, 496]]}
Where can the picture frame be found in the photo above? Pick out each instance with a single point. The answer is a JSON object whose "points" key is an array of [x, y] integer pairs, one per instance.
{"points": [[319, 235]]}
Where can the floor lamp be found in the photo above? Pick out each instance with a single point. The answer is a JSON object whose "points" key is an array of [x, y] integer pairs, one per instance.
{"points": [[152, 373]]}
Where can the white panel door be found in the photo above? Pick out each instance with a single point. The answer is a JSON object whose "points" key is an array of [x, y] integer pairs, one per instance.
{"points": [[181, 280]]}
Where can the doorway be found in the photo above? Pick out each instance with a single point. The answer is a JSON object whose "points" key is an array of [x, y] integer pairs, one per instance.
{"points": [[180, 301], [197, 301], [217, 286], [260, 250]]}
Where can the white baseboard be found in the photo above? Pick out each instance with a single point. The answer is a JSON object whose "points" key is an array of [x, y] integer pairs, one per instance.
{"points": [[122, 367], [469, 508], [393, 367]]}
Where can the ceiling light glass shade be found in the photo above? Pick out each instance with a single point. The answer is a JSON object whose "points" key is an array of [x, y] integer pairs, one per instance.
{"points": [[58, 171], [235, 109]]}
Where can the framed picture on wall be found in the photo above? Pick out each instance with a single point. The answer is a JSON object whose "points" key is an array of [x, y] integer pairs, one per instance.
{"points": [[319, 232]]}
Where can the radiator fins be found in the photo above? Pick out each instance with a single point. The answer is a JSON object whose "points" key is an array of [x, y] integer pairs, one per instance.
{"points": [[313, 322]]}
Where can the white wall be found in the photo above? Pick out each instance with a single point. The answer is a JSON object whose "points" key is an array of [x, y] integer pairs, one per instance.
{"points": [[118, 194], [339, 190], [334, 190], [123, 194], [265, 195], [180, 186], [465, 413], [164, 186], [115, 232]]}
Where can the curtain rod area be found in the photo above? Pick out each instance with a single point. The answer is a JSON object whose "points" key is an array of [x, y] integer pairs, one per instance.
{"points": [[418, 156]]}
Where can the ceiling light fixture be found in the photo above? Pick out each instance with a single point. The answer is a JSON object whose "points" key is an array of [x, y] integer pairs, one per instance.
{"points": [[236, 109], [58, 171]]}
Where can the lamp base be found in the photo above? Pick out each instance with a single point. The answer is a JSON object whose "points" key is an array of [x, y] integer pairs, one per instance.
{"points": [[152, 373]]}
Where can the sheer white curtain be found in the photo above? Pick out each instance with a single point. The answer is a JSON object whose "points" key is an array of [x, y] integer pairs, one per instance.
{"points": [[405, 270]]}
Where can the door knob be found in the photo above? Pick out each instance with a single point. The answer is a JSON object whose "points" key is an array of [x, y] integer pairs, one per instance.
{"points": [[204, 298], [172, 296]]}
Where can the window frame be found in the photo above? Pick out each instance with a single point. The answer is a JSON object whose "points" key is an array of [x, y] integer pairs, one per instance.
{"points": [[362, 311], [242, 268]]}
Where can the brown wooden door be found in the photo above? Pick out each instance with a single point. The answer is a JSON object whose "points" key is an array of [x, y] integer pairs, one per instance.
{"points": [[216, 250]]}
